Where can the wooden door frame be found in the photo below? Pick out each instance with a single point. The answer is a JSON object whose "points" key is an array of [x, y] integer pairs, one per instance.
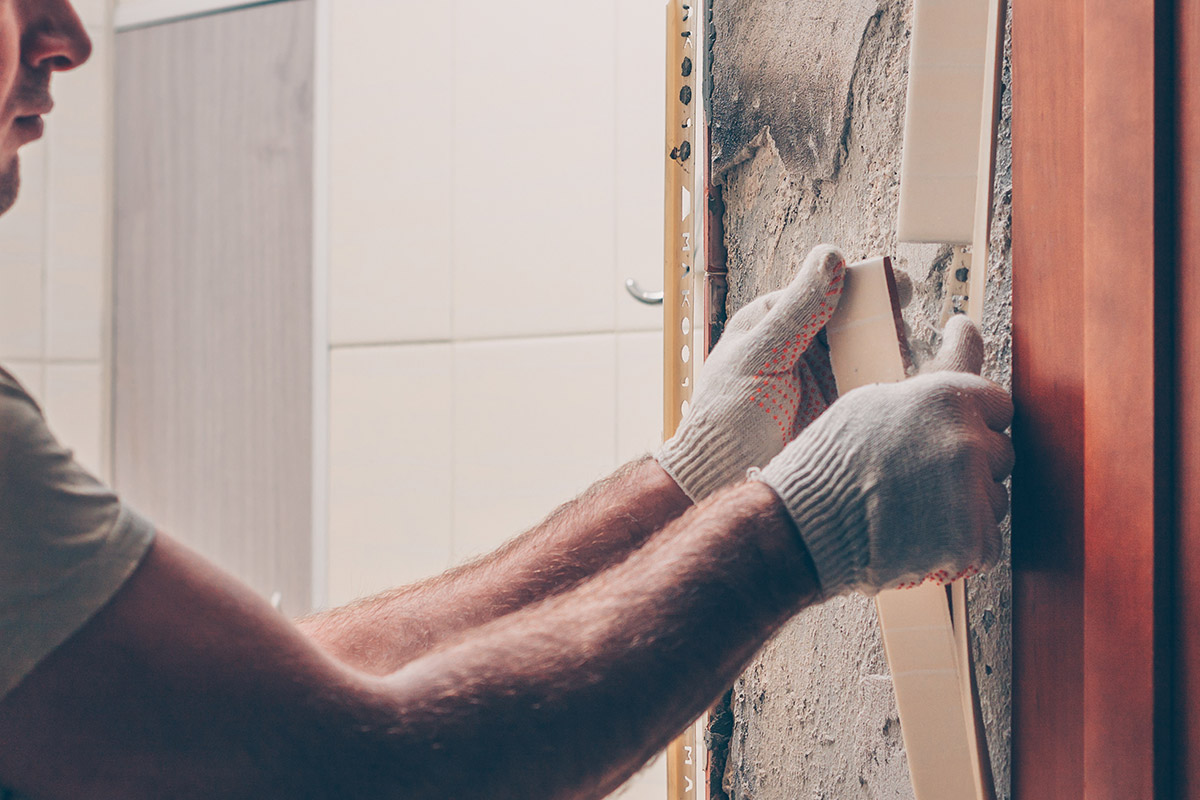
{"points": [[1187, 664], [1107, 382]]}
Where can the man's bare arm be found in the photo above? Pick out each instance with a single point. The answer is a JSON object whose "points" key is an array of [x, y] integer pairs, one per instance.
{"points": [[768, 351], [187, 685], [618, 515]]}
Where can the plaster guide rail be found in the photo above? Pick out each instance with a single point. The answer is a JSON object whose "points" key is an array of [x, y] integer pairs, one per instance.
{"points": [[684, 320]]}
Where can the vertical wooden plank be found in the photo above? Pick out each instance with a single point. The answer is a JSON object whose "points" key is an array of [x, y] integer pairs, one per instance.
{"points": [[1187, 734], [1123, 340], [1048, 383], [213, 303]]}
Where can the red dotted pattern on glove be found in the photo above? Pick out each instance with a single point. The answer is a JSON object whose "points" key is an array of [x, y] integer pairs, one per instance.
{"points": [[778, 391], [941, 577]]}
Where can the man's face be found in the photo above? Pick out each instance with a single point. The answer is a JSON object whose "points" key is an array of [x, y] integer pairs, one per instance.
{"points": [[37, 38]]}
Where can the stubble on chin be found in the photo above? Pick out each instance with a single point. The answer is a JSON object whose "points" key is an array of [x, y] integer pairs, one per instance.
{"points": [[10, 184]]}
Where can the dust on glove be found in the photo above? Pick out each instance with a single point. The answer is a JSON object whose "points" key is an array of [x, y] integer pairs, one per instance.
{"points": [[899, 482], [763, 383]]}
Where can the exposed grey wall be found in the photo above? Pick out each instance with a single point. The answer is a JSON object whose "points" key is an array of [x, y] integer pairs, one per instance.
{"points": [[808, 110]]}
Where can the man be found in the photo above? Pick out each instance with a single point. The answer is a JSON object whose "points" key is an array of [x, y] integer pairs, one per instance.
{"points": [[553, 668]]}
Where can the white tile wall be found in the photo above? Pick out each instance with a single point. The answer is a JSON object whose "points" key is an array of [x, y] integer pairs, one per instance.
{"points": [[55, 251], [23, 228], [639, 134], [78, 248], [22, 242], [496, 176], [534, 186], [74, 404], [639, 394], [534, 425], [493, 182], [391, 448], [649, 784], [390, 199], [94, 13], [20, 307]]}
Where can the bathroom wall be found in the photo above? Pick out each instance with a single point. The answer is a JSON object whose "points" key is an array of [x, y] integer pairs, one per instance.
{"points": [[479, 207], [495, 176], [808, 107], [56, 245]]}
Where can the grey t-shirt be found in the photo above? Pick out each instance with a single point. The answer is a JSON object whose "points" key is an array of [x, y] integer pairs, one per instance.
{"points": [[67, 543]]}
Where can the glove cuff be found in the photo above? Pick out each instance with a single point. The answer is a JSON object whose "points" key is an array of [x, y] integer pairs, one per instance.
{"points": [[699, 461], [816, 482]]}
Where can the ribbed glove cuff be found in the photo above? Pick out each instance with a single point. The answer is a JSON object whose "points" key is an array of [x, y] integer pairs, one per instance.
{"points": [[702, 461], [821, 492]]}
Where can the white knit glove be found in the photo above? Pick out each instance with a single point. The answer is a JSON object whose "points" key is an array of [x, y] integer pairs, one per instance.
{"points": [[903, 482], [763, 383]]}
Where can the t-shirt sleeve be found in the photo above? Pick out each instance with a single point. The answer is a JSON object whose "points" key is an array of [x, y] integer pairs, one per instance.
{"points": [[67, 543]]}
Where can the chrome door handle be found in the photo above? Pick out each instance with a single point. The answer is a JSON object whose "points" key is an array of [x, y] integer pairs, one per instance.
{"points": [[641, 295]]}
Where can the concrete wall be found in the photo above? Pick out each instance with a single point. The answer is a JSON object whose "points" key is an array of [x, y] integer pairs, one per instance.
{"points": [[808, 109]]}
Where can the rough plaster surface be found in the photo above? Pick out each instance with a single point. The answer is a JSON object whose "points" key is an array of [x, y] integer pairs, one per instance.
{"points": [[808, 109]]}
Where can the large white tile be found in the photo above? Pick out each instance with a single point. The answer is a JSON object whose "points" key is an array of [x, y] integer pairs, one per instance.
{"points": [[534, 425], [75, 409], [23, 227], [641, 136], [390, 467], [534, 181], [391, 167], [20, 309], [22, 241], [75, 311], [79, 128], [30, 374], [78, 205], [639, 394], [649, 784], [94, 13]]}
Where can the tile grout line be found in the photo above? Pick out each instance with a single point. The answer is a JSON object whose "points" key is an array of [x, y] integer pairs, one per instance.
{"points": [[532, 337]]}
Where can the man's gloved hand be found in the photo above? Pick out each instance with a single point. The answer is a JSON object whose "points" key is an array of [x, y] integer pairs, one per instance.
{"points": [[901, 482], [763, 383]]}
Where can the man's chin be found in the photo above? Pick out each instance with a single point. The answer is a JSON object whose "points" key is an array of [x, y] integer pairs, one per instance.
{"points": [[10, 184]]}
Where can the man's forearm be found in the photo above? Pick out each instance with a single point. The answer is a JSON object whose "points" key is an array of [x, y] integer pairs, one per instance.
{"points": [[197, 688], [569, 697], [582, 538]]}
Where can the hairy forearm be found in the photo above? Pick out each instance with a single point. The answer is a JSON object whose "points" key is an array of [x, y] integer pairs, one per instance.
{"points": [[569, 697], [600, 528], [197, 688]]}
